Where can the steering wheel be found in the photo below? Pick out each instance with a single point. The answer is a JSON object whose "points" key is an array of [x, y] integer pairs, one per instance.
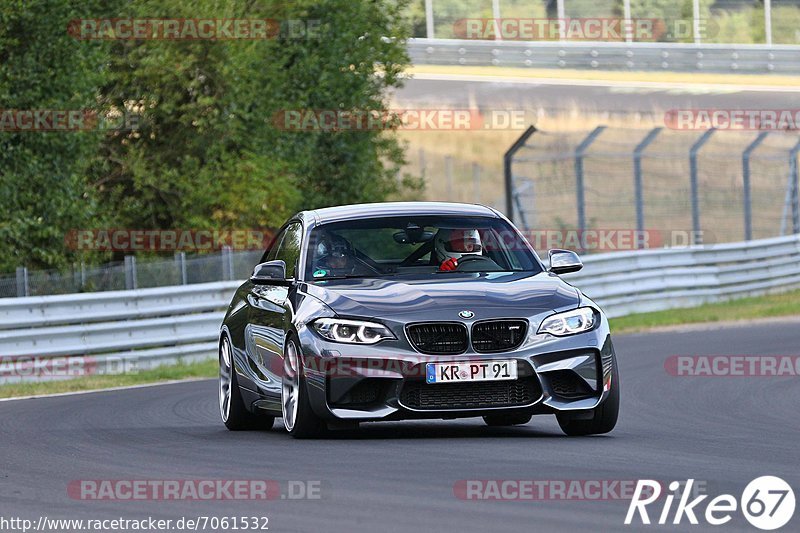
{"points": [[474, 260]]}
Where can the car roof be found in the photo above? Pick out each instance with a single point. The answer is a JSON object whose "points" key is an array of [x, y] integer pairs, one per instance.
{"points": [[385, 209]]}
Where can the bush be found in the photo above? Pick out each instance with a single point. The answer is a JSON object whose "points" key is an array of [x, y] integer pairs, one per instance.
{"points": [[206, 153]]}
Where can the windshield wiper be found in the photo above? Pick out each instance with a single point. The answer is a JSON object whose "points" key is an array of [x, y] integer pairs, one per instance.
{"points": [[476, 271], [352, 276]]}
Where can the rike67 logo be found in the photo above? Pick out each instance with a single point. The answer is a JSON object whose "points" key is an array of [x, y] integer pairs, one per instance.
{"points": [[767, 503]]}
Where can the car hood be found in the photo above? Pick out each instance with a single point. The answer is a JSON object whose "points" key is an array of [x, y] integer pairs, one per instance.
{"points": [[426, 298]]}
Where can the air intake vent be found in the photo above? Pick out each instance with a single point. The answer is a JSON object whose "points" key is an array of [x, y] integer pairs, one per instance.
{"points": [[478, 395], [498, 335], [438, 337], [567, 384]]}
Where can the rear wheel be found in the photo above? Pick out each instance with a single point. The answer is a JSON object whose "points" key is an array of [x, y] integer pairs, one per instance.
{"points": [[506, 419], [298, 418], [234, 414], [601, 419]]}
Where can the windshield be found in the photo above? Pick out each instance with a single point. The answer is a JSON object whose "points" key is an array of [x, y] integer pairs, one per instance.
{"points": [[416, 245]]}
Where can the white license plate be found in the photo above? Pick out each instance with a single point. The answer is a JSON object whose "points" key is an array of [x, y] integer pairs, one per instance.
{"points": [[470, 371]]}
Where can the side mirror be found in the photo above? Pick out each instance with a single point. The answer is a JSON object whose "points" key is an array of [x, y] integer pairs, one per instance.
{"points": [[564, 261], [270, 273]]}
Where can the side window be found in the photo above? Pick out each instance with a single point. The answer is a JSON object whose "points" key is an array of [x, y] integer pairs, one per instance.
{"points": [[289, 248]]}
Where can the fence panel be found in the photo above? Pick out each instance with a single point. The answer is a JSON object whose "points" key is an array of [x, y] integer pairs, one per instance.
{"points": [[679, 187], [146, 273]]}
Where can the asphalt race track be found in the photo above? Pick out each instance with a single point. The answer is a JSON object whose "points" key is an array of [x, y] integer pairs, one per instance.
{"points": [[724, 431]]}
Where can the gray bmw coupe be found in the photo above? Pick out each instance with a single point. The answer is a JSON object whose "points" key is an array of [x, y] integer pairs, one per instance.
{"points": [[413, 310]]}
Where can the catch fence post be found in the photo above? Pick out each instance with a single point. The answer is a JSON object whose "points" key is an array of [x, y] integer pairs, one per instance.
{"points": [[508, 162], [793, 176], [180, 260], [131, 281], [23, 288], [580, 153], [638, 182], [227, 263], [747, 196], [697, 238]]}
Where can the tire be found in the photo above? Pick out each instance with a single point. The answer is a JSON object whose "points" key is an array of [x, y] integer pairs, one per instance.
{"points": [[234, 414], [299, 419], [603, 418], [500, 420]]}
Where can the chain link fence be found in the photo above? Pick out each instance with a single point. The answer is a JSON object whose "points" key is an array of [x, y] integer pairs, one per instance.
{"points": [[712, 186], [226, 265], [452, 178]]}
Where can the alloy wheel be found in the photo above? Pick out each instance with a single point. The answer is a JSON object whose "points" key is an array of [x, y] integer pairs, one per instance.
{"points": [[225, 378], [291, 386]]}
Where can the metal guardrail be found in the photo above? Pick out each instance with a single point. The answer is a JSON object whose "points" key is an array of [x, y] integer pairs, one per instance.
{"points": [[682, 57], [653, 280], [112, 332], [50, 337]]}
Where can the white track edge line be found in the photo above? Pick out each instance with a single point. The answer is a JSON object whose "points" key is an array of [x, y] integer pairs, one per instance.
{"points": [[93, 391]]}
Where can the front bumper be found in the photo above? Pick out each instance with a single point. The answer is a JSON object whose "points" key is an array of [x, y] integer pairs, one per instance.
{"points": [[369, 383]]}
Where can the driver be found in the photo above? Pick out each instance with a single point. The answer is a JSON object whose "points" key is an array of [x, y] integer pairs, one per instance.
{"points": [[453, 244], [334, 256]]}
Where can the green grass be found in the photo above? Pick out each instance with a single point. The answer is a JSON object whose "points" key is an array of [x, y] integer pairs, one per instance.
{"points": [[773, 305], [205, 369]]}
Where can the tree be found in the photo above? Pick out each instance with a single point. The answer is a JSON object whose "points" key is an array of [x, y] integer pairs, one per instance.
{"points": [[42, 182], [191, 163], [357, 54], [208, 152]]}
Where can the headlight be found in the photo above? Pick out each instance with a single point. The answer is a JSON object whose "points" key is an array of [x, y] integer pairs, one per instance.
{"points": [[351, 331], [569, 322]]}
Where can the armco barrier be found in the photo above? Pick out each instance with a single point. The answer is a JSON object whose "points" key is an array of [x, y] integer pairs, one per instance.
{"points": [[681, 57], [111, 331], [653, 280]]}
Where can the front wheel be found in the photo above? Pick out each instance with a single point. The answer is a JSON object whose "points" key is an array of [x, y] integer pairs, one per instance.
{"points": [[298, 417], [234, 414], [601, 419]]}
